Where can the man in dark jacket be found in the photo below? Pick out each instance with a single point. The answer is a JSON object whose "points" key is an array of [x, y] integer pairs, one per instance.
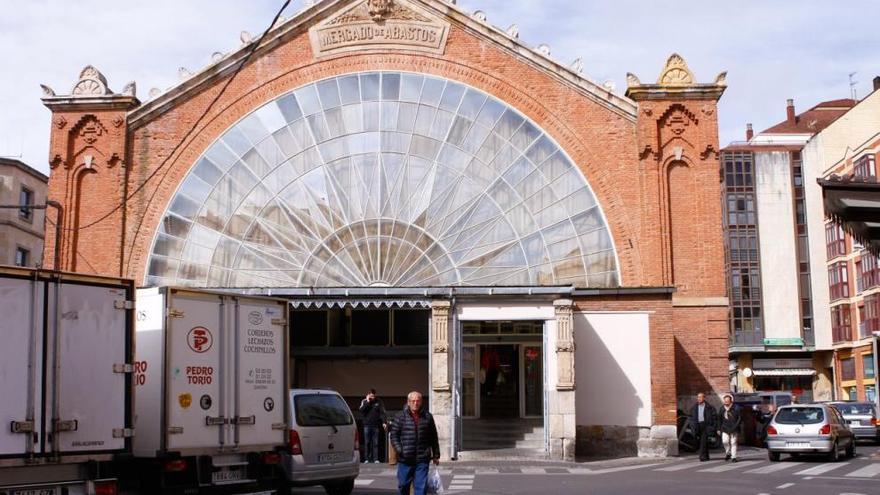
{"points": [[414, 437], [373, 414], [704, 422], [729, 423]]}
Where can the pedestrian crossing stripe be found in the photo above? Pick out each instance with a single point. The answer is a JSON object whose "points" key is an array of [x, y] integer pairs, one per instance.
{"points": [[361, 482], [772, 468], [868, 471], [687, 465], [729, 467], [821, 469]]}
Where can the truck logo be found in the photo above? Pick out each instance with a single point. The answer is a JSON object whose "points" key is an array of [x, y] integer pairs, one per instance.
{"points": [[269, 404], [185, 400], [255, 317], [141, 315], [200, 339], [205, 402]]}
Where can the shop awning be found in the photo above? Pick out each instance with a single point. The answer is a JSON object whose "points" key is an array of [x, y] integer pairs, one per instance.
{"points": [[785, 372], [855, 204], [360, 303]]}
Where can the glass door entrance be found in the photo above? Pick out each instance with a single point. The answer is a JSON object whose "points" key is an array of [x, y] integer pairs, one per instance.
{"points": [[502, 381], [499, 381]]}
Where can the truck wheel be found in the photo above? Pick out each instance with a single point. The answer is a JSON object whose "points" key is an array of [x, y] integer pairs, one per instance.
{"points": [[773, 456], [344, 487]]}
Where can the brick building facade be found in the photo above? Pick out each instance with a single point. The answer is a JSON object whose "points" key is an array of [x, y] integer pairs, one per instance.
{"points": [[127, 173]]}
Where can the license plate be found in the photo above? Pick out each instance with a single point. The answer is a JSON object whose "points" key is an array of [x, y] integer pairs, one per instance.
{"points": [[855, 422], [227, 475], [37, 491], [797, 444], [331, 457]]}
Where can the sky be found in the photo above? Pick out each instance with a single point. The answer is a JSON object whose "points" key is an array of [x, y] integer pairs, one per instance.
{"points": [[772, 50]]}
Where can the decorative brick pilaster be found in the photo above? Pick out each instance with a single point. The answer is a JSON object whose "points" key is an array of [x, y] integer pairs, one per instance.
{"points": [[88, 174]]}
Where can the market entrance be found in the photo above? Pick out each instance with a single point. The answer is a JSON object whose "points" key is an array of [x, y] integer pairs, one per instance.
{"points": [[352, 346], [502, 385]]}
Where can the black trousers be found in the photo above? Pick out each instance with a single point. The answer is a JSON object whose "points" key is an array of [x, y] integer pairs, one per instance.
{"points": [[701, 430]]}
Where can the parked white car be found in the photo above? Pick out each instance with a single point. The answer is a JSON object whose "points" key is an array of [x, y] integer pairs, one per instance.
{"points": [[323, 446], [808, 429]]}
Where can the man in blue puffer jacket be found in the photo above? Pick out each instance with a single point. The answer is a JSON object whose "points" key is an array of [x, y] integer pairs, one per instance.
{"points": [[414, 437]]}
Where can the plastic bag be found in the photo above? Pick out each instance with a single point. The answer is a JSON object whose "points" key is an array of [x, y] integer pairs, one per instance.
{"points": [[435, 484]]}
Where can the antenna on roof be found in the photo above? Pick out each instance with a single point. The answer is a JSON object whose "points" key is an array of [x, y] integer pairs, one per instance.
{"points": [[852, 85]]}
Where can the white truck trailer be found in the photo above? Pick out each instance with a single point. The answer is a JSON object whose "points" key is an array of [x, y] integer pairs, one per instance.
{"points": [[211, 381], [65, 381]]}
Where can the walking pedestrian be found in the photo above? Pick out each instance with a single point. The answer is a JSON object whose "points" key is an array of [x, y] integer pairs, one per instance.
{"points": [[729, 423], [414, 437], [703, 420], [374, 417]]}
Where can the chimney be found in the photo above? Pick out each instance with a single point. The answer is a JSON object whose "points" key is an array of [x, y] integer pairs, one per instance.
{"points": [[749, 132], [876, 83], [789, 111]]}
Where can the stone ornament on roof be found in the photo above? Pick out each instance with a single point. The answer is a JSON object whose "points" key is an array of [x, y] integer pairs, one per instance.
{"points": [[378, 11], [91, 92], [676, 72], [676, 78], [91, 83]]}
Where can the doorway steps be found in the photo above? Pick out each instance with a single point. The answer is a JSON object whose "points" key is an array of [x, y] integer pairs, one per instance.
{"points": [[513, 436]]}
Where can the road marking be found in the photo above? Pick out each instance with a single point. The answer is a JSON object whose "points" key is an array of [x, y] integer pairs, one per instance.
{"points": [[821, 468], [533, 470], [580, 470], [687, 465], [625, 468], [866, 472], [784, 486], [462, 482], [360, 482], [772, 468], [728, 467]]}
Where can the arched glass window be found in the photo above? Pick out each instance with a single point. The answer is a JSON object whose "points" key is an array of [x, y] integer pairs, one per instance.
{"points": [[383, 179]]}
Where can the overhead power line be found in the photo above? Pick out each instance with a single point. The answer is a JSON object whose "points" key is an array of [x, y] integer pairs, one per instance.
{"points": [[195, 124]]}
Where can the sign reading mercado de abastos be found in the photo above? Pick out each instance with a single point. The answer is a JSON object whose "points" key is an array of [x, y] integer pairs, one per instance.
{"points": [[379, 24]]}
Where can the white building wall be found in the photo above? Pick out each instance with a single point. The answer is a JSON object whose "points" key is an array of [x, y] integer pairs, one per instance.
{"points": [[813, 158], [613, 368], [776, 231], [819, 155]]}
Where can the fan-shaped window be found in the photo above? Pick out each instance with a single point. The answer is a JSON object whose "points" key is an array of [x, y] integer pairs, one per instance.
{"points": [[383, 179]]}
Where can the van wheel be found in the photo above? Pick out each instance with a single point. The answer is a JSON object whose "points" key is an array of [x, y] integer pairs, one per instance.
{"points": [[344, 487], [851, 449], [773, 456], [834, 455]]}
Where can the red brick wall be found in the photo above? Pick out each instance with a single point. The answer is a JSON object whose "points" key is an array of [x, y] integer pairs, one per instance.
{"points": [[87, 177], [666, 225]]}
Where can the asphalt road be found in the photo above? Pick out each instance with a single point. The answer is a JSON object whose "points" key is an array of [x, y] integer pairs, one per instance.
{"points": [[754, 474]]}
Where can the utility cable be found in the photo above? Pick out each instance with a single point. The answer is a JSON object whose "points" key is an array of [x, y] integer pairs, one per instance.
{"points": [[192, 129]]}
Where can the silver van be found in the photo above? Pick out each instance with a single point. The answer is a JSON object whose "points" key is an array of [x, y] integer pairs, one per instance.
{"points": [[808, 429], [323, 442]]}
